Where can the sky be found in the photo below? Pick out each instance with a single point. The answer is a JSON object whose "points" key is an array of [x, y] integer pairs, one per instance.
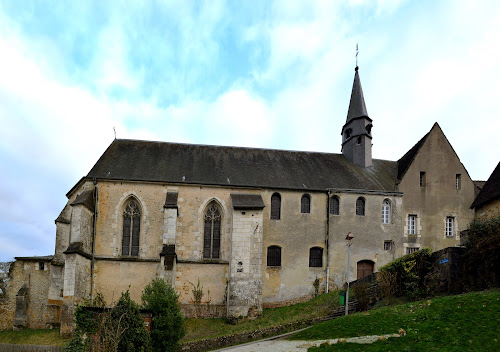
{"points": [[268, 74]]}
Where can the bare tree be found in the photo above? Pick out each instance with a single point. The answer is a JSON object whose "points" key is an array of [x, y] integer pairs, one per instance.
{"points": [[4, 277]]}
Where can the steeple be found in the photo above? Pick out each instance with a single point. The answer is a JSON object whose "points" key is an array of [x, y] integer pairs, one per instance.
{"points": [[357, 107], [356, 133]]}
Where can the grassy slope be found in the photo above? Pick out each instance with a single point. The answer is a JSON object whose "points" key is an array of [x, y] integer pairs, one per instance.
{"points": [[468, 322], [33, 337], [197, 329]]}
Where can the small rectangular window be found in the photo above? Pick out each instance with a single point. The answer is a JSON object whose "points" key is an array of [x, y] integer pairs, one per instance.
{"points": [[41, 266], [458, 181], [422, 178], [450, 224], [412, 224], [410, 250], [387, 245]]}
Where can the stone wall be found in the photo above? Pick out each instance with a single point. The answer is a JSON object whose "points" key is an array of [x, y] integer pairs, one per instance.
{"points": [[369, 234], [489, 210], [245, 285], [26, 302], [438, 197]]}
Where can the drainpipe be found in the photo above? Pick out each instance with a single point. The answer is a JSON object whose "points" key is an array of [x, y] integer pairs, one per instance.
{"points": [[327, 239], [93, 242]]}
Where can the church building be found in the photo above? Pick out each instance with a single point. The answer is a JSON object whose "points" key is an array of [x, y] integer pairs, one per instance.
{"points": [[255, 227]]}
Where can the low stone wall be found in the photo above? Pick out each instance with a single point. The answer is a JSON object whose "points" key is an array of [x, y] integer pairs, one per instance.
{"points": [[287, 302], [204, 310], [7, 347]]}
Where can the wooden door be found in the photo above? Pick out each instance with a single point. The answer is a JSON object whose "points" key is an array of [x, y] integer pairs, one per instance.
{"points": [[365, 268]]}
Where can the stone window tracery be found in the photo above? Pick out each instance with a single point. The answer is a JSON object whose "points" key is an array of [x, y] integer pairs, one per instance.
{"points": [[131, 229], [212, 233]]}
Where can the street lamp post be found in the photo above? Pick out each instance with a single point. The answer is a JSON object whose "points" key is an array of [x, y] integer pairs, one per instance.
{"points": [[348, 241]]}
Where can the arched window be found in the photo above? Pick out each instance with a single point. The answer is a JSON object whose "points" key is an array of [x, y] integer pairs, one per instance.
{"points": [[335, 205], [131, 229], [386, 211], [316, 257], [211, 232], [273, 256], [276, 206], [360, 206], [305, 204]]}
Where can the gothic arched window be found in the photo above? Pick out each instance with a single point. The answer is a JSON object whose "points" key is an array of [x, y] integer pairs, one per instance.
{"points": [[335, 205], [360, 206], [275, 206], [305, 204], [131, 229], [212, 229]]}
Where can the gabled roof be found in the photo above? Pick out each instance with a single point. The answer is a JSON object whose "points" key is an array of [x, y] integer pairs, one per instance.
{"points": [[406, 160], [357, 107], [490, 190], [239, 167]]}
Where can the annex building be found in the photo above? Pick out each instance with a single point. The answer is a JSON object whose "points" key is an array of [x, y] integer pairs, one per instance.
{"points": [[256, 227]]}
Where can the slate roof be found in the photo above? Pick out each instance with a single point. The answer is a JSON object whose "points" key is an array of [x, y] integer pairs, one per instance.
{"points": [[171, 200], [85, 198], [490, 190], [45, 258], [357, 107], [406, 160], [239, 167], [247, 201]]}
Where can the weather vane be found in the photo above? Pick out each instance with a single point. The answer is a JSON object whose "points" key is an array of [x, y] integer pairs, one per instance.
{"points": [[114, 131], [357, 52]]}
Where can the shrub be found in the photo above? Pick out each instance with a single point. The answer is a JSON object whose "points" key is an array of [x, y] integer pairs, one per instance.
{"points": [[118, 329], [168, 322], [360, 292], [482, 255], [409, 272], [127, 317]]}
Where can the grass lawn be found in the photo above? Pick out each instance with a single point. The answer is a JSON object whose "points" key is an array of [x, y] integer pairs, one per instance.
{"points": [[33, 337], [197, 329], [468, 322]]}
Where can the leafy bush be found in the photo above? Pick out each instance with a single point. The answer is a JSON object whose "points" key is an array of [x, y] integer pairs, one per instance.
{"points": [[168, 322], [101, 329], [409, 272]]}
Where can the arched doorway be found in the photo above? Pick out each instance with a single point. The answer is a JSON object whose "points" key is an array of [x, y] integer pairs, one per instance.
{"points": [[365, 268]]}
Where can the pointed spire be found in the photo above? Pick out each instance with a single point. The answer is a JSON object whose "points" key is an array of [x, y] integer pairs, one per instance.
{"points": [[357, 107]]}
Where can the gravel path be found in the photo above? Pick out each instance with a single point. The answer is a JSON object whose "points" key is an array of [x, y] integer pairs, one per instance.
{"points": [[280, 345]]}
